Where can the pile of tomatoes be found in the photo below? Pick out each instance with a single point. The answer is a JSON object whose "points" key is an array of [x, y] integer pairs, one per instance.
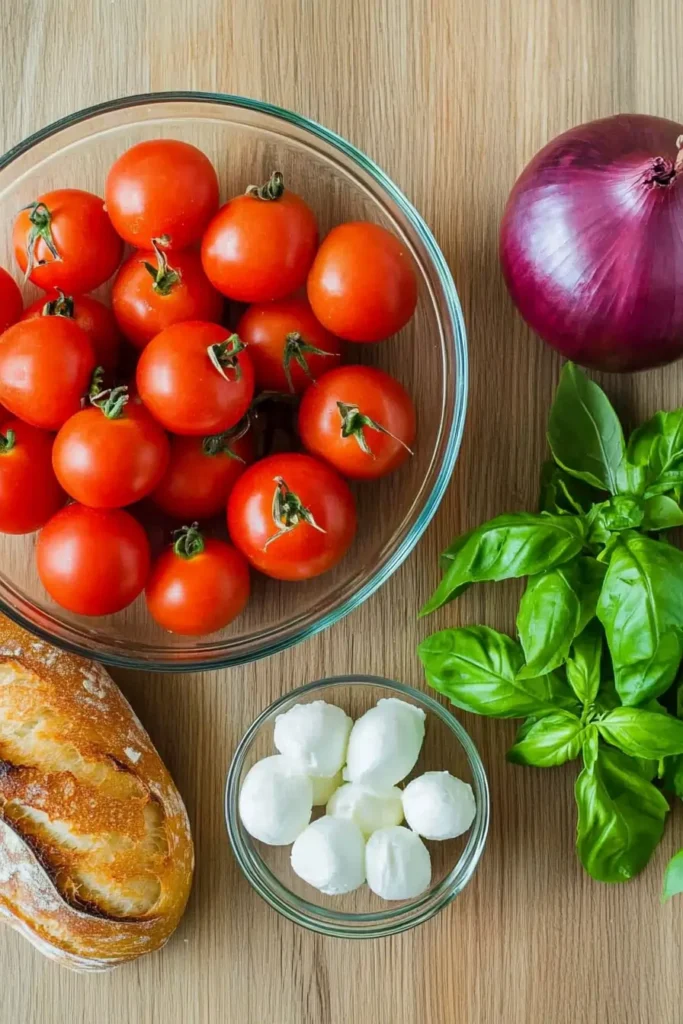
{"points": [[156, 399]]}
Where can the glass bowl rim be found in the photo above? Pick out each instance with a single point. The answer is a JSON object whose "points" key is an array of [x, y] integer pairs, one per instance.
{"points": [[377, 924], [452, 442]]}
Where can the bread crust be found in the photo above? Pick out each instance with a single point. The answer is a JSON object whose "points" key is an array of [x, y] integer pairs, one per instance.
{"points": [[96, 853]]}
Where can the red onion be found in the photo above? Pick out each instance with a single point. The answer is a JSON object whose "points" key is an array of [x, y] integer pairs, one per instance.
{"points": [[592, 243]]}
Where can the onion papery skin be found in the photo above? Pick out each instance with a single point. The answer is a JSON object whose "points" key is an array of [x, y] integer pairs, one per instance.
{"points": [[591, 243]]}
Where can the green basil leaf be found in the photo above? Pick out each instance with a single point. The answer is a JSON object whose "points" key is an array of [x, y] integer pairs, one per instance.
{"points": [[641, 733], [584, 662], [584, 431], [641, 608], [658, 447], [547, 741], [562, 494], [519, 544], [476, 668], [632, 479], [673, 877], [661, 513], [620, 817], [673, 775], [555, 607], [622, 512]]}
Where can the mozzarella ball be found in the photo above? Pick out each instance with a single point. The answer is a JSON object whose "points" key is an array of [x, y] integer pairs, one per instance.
{"points": [[330, 855], [324, 787], [314, 737], [439, 806], [276, 801], [369, 808], [385, 744], [397, 864]]}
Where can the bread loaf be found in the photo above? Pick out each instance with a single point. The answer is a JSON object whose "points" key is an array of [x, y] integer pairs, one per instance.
{"points": [[96, 853]]}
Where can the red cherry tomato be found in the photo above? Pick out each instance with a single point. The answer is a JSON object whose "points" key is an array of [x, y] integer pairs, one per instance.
{"points": [[45, 368], [93, 561], [287, 345], [201, 473], [291, 516], [65, 240], [362, 285], [11, 303], [198, 586], [260, 245], [151, 293], [111, 454], [29, 492], [162, 187], [196, 378], [360, 420], [92, 316]]}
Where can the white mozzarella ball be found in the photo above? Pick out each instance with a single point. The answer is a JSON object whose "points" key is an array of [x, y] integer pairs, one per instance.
{"points": [[314, 737], [439, 806], [276, 801], [385, 744], [397, 864], [369, 808], [324, 787], [330, 855]]}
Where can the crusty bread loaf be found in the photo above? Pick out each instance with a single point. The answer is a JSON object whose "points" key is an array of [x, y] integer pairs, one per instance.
{"points": [[96, 853]]}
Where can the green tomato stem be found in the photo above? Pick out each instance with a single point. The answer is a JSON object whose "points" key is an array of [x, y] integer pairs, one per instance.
{"points": [[224, 356], [297, 349], [188, 541], [272, 189], [41, 227], [354, 424], [289, 512], [63, 305], [7, 441], [166, 278]]}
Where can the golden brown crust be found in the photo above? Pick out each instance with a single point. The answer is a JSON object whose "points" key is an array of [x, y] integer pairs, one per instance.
{"points": [[96, 855]]}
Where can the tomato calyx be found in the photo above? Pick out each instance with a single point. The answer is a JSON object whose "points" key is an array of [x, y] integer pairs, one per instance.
{"points": [[41, 227], [354, 423], [289, 512], [165, 277], [222, 444], [7, 441], [273, 188], [63, 305], [110, 401], [188, 542], [296, 349], [224, 355]]}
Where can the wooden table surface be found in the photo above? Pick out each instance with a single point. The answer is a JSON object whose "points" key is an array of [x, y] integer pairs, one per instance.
{"points": [[451, 97]]}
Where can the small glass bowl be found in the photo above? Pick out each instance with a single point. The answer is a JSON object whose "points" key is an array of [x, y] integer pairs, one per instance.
{"points": [[361, 914]]}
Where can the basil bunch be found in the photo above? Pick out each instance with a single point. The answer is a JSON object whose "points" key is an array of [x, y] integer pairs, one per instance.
{"points": [[600, 626]]}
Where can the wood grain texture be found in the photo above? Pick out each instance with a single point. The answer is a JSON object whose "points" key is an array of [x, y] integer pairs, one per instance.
{"points": [[451, 97]]}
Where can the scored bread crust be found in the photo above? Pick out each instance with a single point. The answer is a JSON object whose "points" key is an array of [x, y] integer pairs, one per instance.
{"points": [[96, 853]]}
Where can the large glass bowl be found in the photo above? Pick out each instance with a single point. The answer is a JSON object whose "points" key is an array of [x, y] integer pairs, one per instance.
{"points": [[246, 140], [361, 914]]}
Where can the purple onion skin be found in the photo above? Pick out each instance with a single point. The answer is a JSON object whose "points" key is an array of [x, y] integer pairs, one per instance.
{"points": [[591, 243]]}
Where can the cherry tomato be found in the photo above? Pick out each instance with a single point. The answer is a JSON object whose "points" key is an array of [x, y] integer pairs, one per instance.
{"points": [[151, 293], [93, 561], [260, 245], [291, 516], [11, 303], [45, 368], [287, 345], [362, 285], [162, 187], [201, 473], [360, 420], [65, 240], [92, 316], [111, 454], [195, 378], [29, 491], [198, 586]]}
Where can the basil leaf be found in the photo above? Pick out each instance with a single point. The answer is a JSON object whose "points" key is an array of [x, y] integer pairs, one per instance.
{"points": [[658, 446], [554, 609], [562, 494], [673, 877], [476, 668], [583, 664], [641, 733], [632, 479], [584, 431], [547, 741], [641, 608], [620, 816], [519, 544], [673, 776], [622, 512], [661, 513]]}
